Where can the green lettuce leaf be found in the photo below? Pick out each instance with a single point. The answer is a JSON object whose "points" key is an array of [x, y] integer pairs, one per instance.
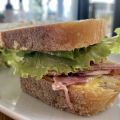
{"points": [[113, 43], [117, 31], [3, 64], [116, 47], [37, 64]]}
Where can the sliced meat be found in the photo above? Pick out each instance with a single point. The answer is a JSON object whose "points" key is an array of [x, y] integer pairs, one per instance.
{"points": [[113, 68], [61, 83], [115, 72], [60, 86], [94, 73], [66, 80], [95, 69], [105, 66]]}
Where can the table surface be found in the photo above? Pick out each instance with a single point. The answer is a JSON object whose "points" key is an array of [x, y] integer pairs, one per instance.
{"points": [[4, 117]]}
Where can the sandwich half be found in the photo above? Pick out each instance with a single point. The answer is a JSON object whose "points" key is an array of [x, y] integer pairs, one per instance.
{"points": [[65, 64]]}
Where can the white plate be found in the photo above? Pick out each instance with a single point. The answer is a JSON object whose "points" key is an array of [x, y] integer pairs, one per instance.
{"points": [[20, 106]]}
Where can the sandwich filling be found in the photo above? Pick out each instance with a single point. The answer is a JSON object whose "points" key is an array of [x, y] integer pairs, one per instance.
{"points": [[66, 67]]}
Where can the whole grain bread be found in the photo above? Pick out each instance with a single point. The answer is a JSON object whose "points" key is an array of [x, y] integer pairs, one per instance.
{"points": [[89, 99], [53, 37]]}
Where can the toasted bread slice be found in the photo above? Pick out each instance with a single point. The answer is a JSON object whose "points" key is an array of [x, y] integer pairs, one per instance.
{"points": [[87, 99], [53, 37]]}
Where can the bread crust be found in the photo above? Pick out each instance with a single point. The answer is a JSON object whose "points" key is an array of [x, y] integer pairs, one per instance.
{"points": [[86, 101], [54, 37]]}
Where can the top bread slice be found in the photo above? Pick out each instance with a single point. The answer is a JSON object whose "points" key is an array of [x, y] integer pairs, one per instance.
{"points": [[53, 37]]}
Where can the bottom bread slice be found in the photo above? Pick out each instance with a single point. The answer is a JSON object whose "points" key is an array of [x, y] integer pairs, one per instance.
{"points": [[86, 99]]}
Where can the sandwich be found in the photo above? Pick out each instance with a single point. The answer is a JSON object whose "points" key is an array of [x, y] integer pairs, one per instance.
{"points": [[65, 64]]}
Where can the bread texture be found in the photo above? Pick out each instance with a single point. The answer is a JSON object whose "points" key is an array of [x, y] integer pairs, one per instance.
{"points": [[88, 99], [53, 37]]}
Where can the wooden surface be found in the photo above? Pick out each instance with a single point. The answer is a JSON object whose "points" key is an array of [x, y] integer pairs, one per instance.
{"points": [[4, 117]]}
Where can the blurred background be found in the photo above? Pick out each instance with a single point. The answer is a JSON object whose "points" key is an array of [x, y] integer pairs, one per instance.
{"points": [[61, 10]]}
